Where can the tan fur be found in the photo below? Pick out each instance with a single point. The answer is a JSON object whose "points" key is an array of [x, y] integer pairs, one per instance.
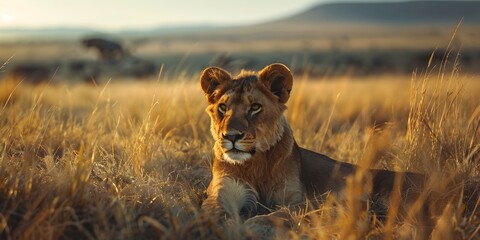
{"points": [[256, 155]]}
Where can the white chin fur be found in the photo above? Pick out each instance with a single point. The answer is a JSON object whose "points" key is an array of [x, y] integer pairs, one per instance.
{"points": [[236, 157]]}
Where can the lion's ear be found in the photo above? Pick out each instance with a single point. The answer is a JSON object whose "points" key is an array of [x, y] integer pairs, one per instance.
{"points": [[278, 78], [210, 80]]}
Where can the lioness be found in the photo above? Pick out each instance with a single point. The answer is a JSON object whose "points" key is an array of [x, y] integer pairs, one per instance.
{"points": [[257, 161]]}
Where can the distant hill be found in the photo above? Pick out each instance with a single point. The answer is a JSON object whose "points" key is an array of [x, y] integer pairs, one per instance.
{"points": [[414, 12]]}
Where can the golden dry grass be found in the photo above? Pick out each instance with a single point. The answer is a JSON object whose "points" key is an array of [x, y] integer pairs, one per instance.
{"points": [[132, 160]]}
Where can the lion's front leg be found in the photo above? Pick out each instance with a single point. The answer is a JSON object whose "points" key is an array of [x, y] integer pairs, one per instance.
{"points": [[230, 199]]}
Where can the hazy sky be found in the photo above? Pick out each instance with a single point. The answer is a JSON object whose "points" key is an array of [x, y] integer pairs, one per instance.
{"points": [[119, 14]]}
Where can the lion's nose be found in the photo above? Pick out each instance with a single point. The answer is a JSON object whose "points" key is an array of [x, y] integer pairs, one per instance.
{"points": [[233, 137]]}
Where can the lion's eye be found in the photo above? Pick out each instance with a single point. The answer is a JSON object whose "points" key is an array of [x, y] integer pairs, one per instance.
{"points": [[255, 108], [222, 108]]}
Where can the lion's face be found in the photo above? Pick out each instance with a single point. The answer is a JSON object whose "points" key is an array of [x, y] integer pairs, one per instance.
{"points": [[246, 111]]}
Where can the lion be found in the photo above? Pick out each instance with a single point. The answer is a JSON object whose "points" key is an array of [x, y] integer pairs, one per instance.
{"points": [[257, 163]]}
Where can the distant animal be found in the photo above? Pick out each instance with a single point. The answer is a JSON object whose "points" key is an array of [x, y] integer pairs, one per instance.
{"points": [[257, 163], [34, 73], [109, 50]]}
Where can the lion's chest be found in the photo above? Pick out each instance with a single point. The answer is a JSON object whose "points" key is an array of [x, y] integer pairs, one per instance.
{"points": [[286, 192], [274, 185]]}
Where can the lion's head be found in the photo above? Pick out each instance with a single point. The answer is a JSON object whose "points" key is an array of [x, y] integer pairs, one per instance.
{"points": [[246, 111]]}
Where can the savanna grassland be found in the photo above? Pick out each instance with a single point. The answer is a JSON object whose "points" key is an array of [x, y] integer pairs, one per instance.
{"points": [[131, 160]]}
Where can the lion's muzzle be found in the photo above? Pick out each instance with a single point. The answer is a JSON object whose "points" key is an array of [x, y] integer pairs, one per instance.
{"points": [[237, 147]]}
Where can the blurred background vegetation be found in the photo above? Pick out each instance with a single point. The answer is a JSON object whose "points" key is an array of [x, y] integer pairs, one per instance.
{"points": [[322, 40]]}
